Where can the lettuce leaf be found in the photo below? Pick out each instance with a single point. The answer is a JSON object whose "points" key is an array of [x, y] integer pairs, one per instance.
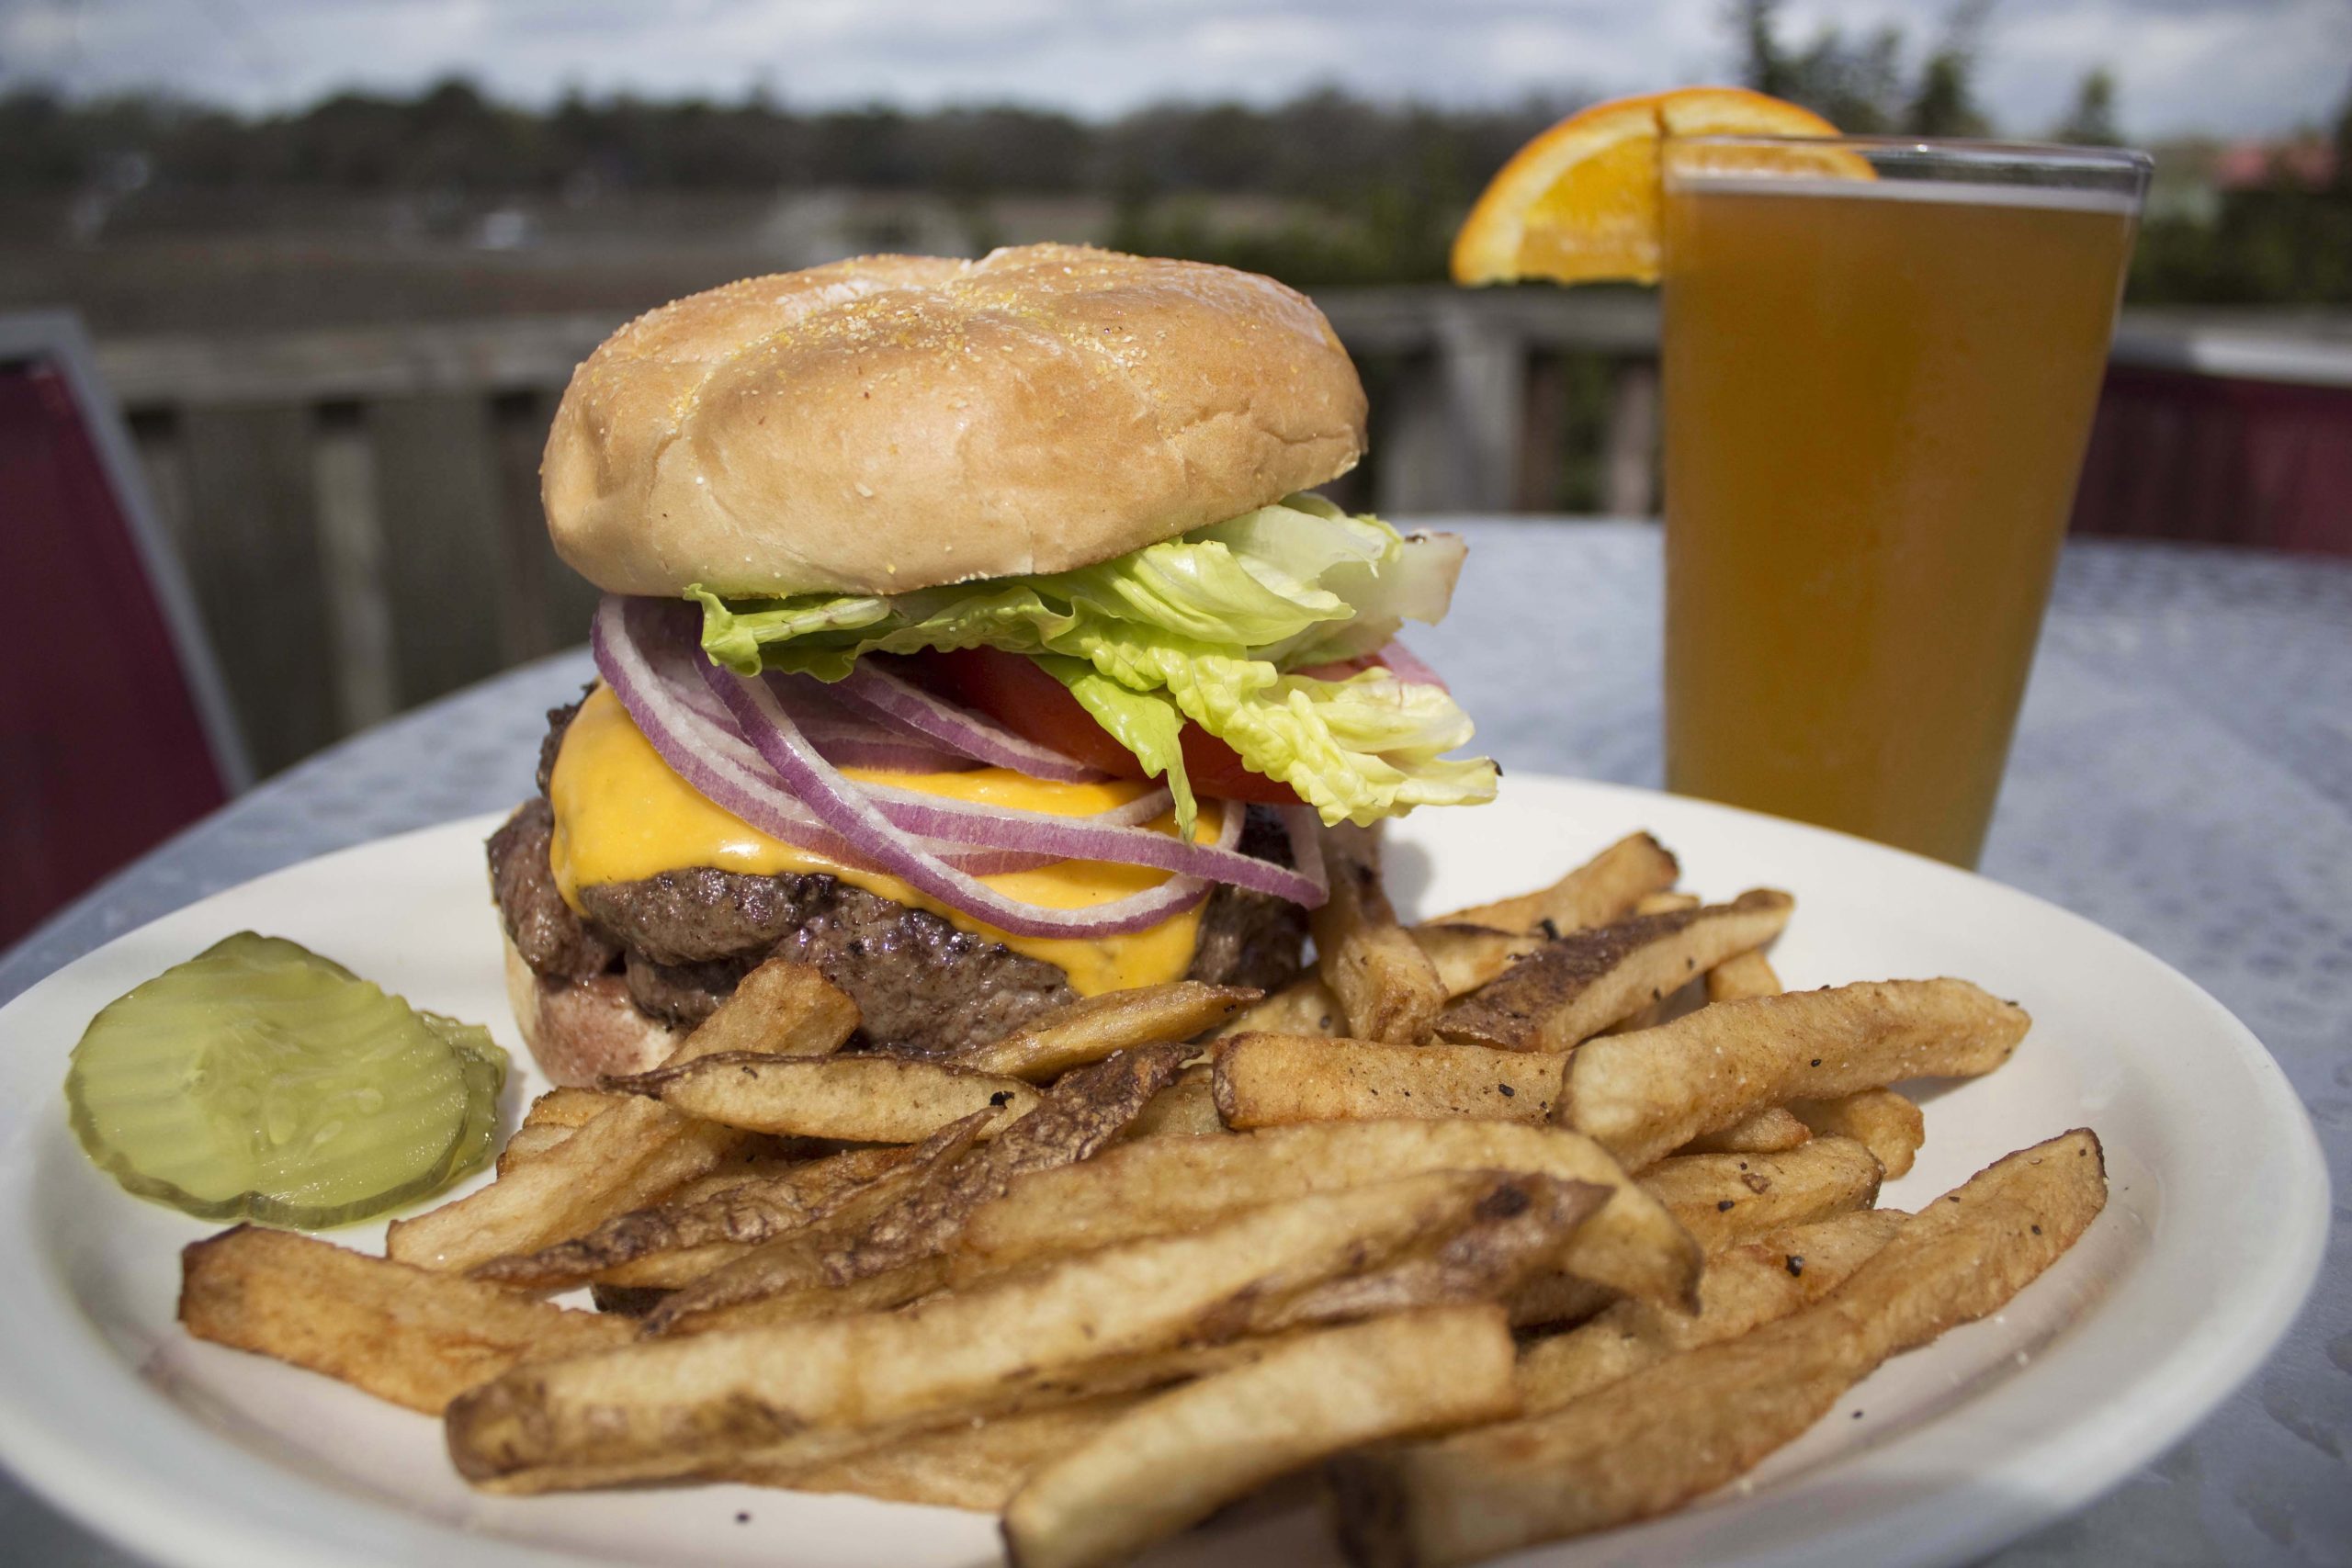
{"points": [[1209, 626], [1146, 723]]}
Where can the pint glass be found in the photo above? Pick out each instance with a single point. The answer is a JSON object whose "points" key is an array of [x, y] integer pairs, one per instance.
{"points": [[1881, 362]]}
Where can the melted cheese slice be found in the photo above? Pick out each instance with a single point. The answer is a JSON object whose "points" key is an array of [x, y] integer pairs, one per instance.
{"points": [[622, 814]]}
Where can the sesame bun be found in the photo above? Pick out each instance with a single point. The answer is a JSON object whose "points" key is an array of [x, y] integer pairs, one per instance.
{"points": [[580, 1032], [894, 422]]}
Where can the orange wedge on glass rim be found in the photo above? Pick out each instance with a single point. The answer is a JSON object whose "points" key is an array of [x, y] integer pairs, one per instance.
{"points": [[1579, 204]]}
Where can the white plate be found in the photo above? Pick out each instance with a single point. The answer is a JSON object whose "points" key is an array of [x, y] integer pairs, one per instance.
{"points": [[2211, 1240]]}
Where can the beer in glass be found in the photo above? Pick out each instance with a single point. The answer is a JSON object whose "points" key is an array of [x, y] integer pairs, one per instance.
{"points": [[1881, 363]]}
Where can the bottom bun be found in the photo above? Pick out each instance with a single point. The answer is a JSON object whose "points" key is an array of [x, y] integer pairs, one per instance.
{"points": [[582, 1031]]}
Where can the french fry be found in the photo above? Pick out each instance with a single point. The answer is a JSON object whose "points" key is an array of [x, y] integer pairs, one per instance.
{"points": [[1726, 1200], [1745, 1286], [1305, 1006], [1687, 1424], [1186, 1108], [1082, 1111], [1881, 1118], [635, 1153], [1518, 1236], [403, 1335], [885, 1292], [527, 1145], [1649, 1015], [1388, 989], [767, 1167], [714, 1403], [1095, 1027], [1465, 957], [863, 1100], [1571, 990], [1641, 1095], [976, 1466], [1472, 947], [780, 1009], [1774, 1130], [1597, 893], [740, 1213], [550, 1119], [1667, 903], [1652, 1013], [570, 1107], [979, 1462], [1552, 1301], [1263, 1080], [1170, 1461], [1168, 1186], [1742, 975], [1884, 1118], [662, 1273], [812, 1256]]}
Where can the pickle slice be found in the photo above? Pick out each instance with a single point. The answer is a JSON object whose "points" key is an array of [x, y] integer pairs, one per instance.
{"points": [[483, 1062], [259, 1080]]}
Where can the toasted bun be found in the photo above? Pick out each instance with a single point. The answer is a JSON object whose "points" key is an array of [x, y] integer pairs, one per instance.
{"points": [[579, 1033], [895, 422]]}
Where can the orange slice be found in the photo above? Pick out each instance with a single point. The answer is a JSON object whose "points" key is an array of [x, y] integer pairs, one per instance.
{"points": [[1580, 202]]}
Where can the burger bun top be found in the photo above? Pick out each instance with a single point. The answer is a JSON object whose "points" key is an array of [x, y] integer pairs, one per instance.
{"points": [[895, 422]]}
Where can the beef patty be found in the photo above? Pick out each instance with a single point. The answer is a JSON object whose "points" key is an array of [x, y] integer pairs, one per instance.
{"points": [[683, 939]]}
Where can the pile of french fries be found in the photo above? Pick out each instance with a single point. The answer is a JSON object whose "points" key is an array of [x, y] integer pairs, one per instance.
{"points": [[1535, 1220]]}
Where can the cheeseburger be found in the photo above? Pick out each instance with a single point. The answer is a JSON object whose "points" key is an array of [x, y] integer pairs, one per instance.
{"points": [[968, 634]]}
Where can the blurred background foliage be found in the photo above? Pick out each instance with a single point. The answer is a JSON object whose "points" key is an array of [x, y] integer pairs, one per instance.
{"points": [[1325, 189]]}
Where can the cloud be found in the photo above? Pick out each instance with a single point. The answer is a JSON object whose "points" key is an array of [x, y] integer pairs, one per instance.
{"points": [[2236, 66]]}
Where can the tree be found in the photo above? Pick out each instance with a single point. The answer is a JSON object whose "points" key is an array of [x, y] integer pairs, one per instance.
{"points": [[1858, 84], [1944, 102], [1764, 65], [2091, 122]]}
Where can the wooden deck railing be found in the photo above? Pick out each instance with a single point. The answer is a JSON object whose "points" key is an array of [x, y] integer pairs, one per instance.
{"points": [[358, 511]]}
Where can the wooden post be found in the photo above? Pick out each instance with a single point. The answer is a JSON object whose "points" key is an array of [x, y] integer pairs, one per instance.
{"points": [[548, 604], [445, 561], [163, 457], [1412, 447], [351, 547], [1543, 433], [253, 558], [1483, 363], [1450, 438], [1629, 444]]}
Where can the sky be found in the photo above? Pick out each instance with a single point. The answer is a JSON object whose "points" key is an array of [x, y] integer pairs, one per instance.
{"points": [[2231, 67]]}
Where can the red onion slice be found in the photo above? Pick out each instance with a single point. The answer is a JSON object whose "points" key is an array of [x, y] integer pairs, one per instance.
{"points": [[973, 816], [848, 735], [848, 811], [1097, 839], [673, 710], [1305, 831], [907, 706], [951, 727]]}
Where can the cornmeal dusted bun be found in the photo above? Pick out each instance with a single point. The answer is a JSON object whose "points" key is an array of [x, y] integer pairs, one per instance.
{"points": [[893, 423]]}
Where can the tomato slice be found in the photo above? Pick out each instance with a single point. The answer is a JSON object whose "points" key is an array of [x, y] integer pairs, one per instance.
{"points": [[1011, 689]]}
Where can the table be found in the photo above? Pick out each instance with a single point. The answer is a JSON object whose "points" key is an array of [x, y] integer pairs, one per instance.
{"points": [[2183, 775]]}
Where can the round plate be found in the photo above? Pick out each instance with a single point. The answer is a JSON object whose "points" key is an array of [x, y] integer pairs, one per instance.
{"points": [[2211, 1240]]}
